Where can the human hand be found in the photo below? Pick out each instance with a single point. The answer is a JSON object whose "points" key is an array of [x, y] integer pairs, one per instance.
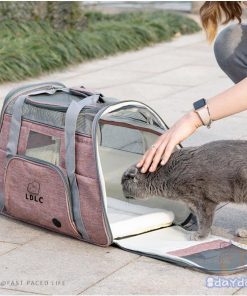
{"points": [[162, 149]]}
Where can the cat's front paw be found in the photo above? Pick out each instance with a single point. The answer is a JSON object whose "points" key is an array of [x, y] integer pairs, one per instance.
{"points": [[241, 232], [195, 236]]}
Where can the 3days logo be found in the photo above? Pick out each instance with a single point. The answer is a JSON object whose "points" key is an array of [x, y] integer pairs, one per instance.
{"points": [[33, 192]]}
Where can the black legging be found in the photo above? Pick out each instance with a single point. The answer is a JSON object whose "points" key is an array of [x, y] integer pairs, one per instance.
{"points": [[230, 50]]}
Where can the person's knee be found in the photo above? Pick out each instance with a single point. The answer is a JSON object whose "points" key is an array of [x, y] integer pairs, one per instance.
{"points": [[220, 52], [227, 50]]}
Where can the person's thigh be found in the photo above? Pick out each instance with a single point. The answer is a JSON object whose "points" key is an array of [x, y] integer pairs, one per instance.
{"points": [[230, 50]]}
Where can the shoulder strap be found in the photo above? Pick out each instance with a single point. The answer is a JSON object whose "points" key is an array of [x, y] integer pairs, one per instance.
{"points": [[70, 130]]}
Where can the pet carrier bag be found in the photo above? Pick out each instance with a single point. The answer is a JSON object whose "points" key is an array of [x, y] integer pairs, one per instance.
{"points": [[63, 152]]}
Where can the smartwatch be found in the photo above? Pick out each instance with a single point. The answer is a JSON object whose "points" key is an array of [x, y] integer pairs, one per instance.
{"points": [[201, 108]]}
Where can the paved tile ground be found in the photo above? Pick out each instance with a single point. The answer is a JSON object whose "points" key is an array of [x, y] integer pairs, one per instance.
{"points": [[168, 77]]}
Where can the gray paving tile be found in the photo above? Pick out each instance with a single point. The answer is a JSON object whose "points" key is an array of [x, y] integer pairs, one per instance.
{"points": [[141, 91], [242, 291], [15, 232], [207, 89], [147, 276], [184, 41], [73, 264], [156, 64], [6, 247], [231, 217], [201, 51], [186, 76], [105, 78], [14, 292]]}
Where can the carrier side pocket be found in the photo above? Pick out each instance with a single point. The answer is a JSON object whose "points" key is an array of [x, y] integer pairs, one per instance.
{"points": [[38, 192]]}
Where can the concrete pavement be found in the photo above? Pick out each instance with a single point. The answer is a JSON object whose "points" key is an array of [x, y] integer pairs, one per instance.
{"points": [[168, 77]]}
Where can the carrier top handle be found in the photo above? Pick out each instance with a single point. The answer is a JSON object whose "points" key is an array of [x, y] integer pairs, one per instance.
{"points": [[70, 130]]}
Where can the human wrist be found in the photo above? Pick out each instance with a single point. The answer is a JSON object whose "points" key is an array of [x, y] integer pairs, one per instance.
{"points": [[194, 117]]}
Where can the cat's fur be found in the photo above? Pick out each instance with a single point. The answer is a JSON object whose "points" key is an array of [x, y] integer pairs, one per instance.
{"points": [[202, 177]]}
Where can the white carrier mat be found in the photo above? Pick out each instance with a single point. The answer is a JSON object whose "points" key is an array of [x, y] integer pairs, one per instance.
{"points": [[127, 219]]}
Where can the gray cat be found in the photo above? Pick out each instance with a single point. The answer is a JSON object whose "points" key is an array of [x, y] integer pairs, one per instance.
{"points": [[202, 177]]}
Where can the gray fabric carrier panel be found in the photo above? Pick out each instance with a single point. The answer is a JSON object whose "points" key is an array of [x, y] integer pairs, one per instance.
{"points": [[70, 130], [15, 127], [55, 117]]}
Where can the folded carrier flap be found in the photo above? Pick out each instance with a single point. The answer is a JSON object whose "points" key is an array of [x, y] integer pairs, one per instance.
{"points": [[214, 254]]}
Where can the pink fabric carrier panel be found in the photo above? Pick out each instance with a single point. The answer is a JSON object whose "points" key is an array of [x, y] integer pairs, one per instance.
{"points": [[36, 193], [86, 175]]}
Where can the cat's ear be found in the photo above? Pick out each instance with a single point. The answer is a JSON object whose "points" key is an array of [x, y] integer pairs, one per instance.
{"points": [[131, 172]]}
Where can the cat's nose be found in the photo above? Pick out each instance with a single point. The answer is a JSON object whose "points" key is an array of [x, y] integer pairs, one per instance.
{"points": [[131, 172]]}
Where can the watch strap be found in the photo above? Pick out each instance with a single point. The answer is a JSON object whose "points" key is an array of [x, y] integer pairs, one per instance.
{"points": [[204, 115], [201, 108]]}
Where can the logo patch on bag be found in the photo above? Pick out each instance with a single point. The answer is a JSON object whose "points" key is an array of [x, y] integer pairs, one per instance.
{"points": [[33, 192]]}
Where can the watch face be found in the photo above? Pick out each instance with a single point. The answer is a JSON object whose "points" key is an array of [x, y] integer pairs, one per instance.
{"points": [[199, 104]]}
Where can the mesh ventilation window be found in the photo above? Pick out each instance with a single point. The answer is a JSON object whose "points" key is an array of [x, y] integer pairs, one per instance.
{"points": [[122, 138], [57, 118], [138, 115], [129, 128], [43, 147]]}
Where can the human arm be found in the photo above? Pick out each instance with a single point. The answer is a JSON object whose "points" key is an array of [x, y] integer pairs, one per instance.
{"points": [[229, 102]]}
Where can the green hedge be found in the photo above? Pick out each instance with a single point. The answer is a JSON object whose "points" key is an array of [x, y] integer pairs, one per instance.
{"points": [[31, 48]]}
